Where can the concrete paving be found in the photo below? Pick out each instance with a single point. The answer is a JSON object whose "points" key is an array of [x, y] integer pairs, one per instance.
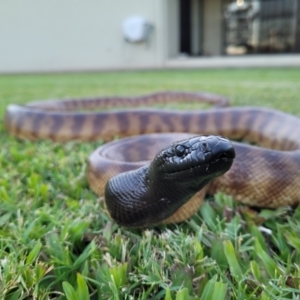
{"points": [[245, 61]]}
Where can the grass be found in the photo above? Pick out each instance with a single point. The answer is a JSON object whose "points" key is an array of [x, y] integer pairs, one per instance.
{"points": [[56, 241]]}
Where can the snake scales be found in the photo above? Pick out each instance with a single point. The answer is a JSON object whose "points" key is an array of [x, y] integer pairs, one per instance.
{"points": [[266, 175]]}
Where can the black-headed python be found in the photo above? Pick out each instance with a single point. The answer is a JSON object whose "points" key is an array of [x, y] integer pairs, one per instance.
{"points": [[185, 166]]}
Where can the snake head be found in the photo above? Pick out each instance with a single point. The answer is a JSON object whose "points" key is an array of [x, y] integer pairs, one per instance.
{"points": [[151, 194], [208, 156]]}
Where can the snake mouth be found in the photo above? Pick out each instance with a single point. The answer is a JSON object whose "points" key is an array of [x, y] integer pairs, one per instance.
{"points": [[218, 167], [230, 155], [223, 162]]}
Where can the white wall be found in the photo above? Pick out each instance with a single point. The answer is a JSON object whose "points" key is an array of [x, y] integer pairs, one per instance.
{"points": [[64, 35]]}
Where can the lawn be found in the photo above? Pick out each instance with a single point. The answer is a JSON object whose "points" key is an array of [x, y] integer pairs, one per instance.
{"points": [[56, 241]]}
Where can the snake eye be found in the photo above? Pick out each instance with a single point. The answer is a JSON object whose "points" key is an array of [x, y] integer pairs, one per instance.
{"points": [[179, 150]]}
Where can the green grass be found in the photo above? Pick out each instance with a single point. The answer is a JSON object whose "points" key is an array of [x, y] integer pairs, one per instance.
{"points": [[56, 241]]}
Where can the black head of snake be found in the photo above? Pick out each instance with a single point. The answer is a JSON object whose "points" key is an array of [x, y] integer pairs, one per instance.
{"points": [[154, 192]]}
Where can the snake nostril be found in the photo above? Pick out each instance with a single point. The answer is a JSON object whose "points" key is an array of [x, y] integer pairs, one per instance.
{"points": [[223, 149], [223, 155], [230, 153]]}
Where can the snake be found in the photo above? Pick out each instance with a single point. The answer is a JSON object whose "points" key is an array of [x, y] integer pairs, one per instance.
{"points": [[166, 161]]}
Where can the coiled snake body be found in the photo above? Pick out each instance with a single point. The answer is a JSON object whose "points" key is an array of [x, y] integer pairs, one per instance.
{"points": [[266, 175]]}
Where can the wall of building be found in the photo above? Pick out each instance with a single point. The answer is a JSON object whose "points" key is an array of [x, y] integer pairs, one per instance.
{"points": [[172, 28], [66, 35]]}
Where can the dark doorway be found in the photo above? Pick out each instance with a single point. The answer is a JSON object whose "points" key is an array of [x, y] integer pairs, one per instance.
{"points": [[185, 26], [191, 27]]}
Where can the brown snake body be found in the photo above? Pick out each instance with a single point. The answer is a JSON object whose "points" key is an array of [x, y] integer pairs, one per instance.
{"points": [[266, 175]]}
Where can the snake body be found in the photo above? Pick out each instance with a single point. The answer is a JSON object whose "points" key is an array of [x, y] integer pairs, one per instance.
{"points": [[264, 175]]}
